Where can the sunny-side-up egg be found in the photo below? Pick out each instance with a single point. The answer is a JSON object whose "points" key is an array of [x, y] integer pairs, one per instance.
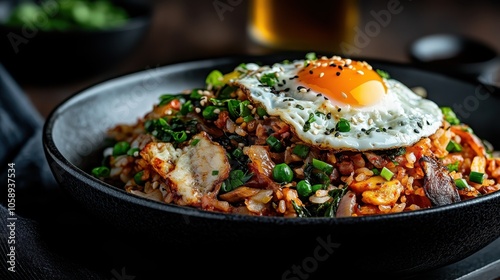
{"points": [[341, 104]]}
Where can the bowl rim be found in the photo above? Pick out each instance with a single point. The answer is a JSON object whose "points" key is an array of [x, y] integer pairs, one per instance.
{"points": [[52, 153]]}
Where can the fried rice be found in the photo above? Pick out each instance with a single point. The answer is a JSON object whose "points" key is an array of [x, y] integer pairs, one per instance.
{"points": [[232, 157]]}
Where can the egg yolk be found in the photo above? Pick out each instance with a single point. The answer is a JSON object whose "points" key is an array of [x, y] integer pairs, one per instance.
{"points": [[348, 82]]}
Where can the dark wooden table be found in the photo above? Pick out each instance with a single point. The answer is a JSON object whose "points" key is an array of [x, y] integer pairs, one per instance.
{"points": [[196, 29]]}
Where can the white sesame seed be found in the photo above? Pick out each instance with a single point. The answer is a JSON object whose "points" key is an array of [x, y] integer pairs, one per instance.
{"points": [[348, 61], [370, 121], [197, 110], [321, 74], [303, 90], [217, 111], [344, 95], [360, 72], [314, 131]]}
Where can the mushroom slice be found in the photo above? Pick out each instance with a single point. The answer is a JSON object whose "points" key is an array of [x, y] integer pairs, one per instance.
{"points": [[201, 168], [438, 184]]}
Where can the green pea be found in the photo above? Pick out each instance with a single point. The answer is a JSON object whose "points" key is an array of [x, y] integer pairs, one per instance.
{"points": [[304, 188], [100, 171], [132, 152], [121, 148], [138, 178], [282, 173]]}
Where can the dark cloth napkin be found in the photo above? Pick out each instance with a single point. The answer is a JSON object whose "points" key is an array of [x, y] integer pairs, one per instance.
{"points": [[56, 239]]}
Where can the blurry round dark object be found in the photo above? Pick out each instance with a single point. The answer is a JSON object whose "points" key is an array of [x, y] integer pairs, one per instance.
{"points": [[453, 54], [34, 54]]}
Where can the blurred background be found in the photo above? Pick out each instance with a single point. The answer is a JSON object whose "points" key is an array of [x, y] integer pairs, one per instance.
{"points": [[177, 31]]}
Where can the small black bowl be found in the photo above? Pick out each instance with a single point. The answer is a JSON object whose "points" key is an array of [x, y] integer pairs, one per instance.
{"points": [[33, 55], [453, 54], [208, 244]]}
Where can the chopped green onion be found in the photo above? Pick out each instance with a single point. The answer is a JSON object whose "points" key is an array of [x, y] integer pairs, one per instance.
{"points": [[215, 172], [100, 172], [226, 91], [132, 152], [343, 126], [275, 144], [383, 74], [236, 178], [311, 56], [120, 148], [248, 118], [301, 150], [453, 147], [310, 120], [214, 78], [261, 112], [461, 184], [194, 142], [476, 177], [375, 171], [233, 107], [237, 153], [323, 166], [209, 112], [450, 116], [179, 136], [187, 107], [269, 79], [138, 178], [386, 173], [195, 94], [316, 187], [453, 166]]}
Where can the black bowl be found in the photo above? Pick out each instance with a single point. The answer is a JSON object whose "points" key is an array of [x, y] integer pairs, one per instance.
{"points": [[33, 55], [212, 244], [453, 54]]}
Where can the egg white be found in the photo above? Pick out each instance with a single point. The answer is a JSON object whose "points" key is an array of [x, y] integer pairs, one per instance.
{"points": [[399, 119]]}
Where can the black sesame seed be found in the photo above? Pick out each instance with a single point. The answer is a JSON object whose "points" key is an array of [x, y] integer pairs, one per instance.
{"points": [[419, 124], [333, 65], [310, 71], [338, 73], [286, 90], [384, 129], [416, 130], [427, 122], [329, 115], [340, 67], [390, 127], [318, 95], [280, 85], [339, 109], [337, 134], [284, 81], [363, 129], [377, 130], [327, 132]]}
